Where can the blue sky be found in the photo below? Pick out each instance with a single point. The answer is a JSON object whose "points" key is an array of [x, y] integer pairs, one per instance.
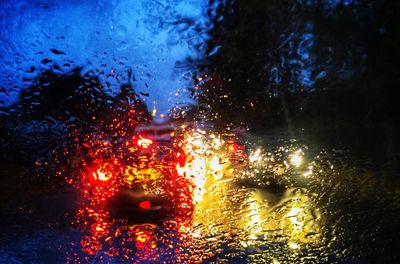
{"points": [[152, 37]]}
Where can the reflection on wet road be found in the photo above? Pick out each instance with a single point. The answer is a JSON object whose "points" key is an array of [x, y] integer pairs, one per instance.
{"points": [[246, 222], [253, 207], [286, 205], [234, 222]]}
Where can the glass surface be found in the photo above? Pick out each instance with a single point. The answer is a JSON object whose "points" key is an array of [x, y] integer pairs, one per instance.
{"points": [[181, 131]]}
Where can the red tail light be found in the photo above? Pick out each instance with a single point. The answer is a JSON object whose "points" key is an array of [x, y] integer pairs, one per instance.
{"points": [[145, 204]]}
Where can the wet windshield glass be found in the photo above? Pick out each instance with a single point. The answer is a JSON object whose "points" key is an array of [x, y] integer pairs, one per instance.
{"points": [[207, 131]]}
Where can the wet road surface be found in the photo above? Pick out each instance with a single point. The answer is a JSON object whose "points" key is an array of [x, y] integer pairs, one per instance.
{"points": [[287, 206]]}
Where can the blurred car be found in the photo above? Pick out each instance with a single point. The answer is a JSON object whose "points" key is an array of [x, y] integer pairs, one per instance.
{"points": [[143, 199], [139, 207], [158, 133]]}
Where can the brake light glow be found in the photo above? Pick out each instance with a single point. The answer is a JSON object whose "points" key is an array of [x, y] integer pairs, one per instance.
{"points": [[145, 204], [144, 142]]}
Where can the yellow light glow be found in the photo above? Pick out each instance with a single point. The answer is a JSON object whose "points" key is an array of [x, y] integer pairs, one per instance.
{"points": [[254, 217], [308, 172], [296, 158], [215, 165], [217, 142], [102, 175], [294, 212], [147, 176], [205, 162], [144, 142], [142, 238], [275, 261], [293, 245], [294, 216], [255, 156], [197, 142]]}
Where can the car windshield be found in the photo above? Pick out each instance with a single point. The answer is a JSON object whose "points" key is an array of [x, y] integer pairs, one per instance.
{"points": [[208, 131]]}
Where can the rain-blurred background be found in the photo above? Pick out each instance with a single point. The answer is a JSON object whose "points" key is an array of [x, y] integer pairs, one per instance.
{"points": [[314, 76]]}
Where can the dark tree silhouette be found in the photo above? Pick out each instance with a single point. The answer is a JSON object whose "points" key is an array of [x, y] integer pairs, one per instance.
{"points": [[331, 71], [56, 105]]}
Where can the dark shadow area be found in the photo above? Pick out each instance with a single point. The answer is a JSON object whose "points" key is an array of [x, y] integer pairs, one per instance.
{"points": [[35, 132], [326, 72]]}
